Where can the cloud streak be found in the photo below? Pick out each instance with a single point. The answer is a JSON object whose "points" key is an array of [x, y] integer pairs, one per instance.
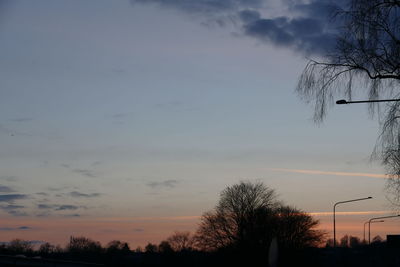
{"points": [[316, 172], [15, 228], [166, 183], [83, 195], [12, 197], [352, 213]]}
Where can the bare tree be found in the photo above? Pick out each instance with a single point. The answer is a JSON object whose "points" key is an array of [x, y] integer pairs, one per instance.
{"points": [[366, 62], [296, 229], [83, 245], [230, 223], [180, 241]]}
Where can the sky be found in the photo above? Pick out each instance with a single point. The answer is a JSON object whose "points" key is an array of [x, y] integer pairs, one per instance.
{"points": [[126, 119]]}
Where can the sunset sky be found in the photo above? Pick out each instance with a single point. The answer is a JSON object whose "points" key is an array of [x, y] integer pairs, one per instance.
{"points": [[125, 119]]}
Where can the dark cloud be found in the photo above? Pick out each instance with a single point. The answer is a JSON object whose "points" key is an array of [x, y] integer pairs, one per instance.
{"points": [[14, 210], [303, 34], [307, 26], [138, 230], [11, 207], [17, 213], [6, 189], [79, 194], [57, 207], [67, 207], [12, 197], [72, 215], [45, 206], [166, 183], [15, 228]]}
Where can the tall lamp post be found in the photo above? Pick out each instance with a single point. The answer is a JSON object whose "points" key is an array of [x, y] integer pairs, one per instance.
{"points": [[334, 215], [371, 222], [377, 218]]}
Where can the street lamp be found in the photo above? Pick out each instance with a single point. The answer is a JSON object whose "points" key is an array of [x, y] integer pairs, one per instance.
{"points": [[344, 102], [334, 215], [377, 218], [371, 222]]}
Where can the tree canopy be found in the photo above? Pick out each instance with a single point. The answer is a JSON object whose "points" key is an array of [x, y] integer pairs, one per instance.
{"points": [[248, 216]]}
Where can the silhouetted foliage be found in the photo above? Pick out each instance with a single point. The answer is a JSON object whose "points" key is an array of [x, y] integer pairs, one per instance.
{"points": [[233, 220], [165, 247], [366, 62], [46, 248], [19, 246], [83, 245], [377, 239], [354, 241], [344, 241], [117, 246], [151, 248], [296, 229], [180, 241]]}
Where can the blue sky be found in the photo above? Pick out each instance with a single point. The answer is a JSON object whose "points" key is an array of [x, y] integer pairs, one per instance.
{"points": [[123, 109]]}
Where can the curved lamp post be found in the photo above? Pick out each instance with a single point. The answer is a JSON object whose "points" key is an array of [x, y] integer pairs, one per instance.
{"points": [[377, 218], [334, 215], [371, 222], [344, 102]]}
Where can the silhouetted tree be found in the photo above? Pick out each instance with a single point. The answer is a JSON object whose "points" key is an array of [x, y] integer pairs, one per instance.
{"points": [[354, 241], [117, 246], [377, 239], [329, 243], [180, 241], [46, 248], [151, 248], [248, 216], [231, 222], [83, 245], [19, 246], [366, 62], [344, 241], [296, 229], [165, 247], [139, 249]]}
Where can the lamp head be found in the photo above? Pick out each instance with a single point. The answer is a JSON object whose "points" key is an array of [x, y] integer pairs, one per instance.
{"points": [[341, 102]]}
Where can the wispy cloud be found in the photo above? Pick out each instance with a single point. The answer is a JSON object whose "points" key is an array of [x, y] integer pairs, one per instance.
{"points": [[315, 172], [166, 183], [12, 197], [58, 207], [79, 194], [14, 210], [15, 228], [85, 172]]}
